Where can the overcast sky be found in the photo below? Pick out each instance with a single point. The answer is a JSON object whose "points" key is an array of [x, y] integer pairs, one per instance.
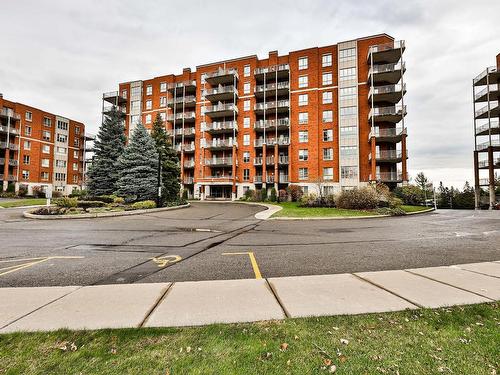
{"points": [[62, 55]]}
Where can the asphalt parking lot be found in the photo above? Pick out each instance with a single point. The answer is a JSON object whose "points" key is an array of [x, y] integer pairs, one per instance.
{"points": [[210, 241]]}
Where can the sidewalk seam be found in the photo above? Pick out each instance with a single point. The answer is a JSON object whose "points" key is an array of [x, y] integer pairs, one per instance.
{"points": [[387, 290], [41, 307], [155, 305], [278, 299], [451, 285], [476, 272]]}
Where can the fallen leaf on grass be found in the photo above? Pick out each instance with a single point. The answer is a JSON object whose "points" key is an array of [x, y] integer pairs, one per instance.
{"points": [[344, 341], [283, 346], [327, 361], [332, 369]]}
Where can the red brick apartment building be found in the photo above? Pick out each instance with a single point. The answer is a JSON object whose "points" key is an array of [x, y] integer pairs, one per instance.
{"points": [[325, 117], [486, 91], [38, 148]]}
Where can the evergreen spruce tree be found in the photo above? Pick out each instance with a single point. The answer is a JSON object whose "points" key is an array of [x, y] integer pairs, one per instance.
{"points": [[138, 168], [108, 147], [170, 175]]}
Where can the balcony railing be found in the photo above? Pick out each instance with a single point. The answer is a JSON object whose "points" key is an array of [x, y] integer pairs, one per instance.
{"points": [[186, 147], [397, 44], [272, 68], [282, 141], [219, 108], [11, 146], [386, 133], [388, 176], [188, 180], [219, 126], [9, 178], [181, 115], [283, 178], [11, 130], [220, 90], [5, 112], [483, 74], [283, 159], [389, 154], [272, 86], [257, 160], [495, 126], [270, 179], [269, 160], [222, 72], [485, 145], [182, 99], [282, 122], [483, 92], [179, 85], [221, 143], [387, 89], [257, 179], [386, 68], [189, 164], [185, 132], [492, 105], [272, 105], [397, 110], [219, 161], [114, 97]]}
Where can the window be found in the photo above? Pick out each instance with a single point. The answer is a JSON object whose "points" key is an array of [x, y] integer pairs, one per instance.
{"points": [[327, 116], [149, 90], [61, 150], [27, 130], [134, 119], [61, 163], [124, 94], [246, 157], [347, 54], [349, 150], [26, 175], [348, 111], [303, 99], [303, 81], [135, 91], [75, 178], [149, 104], [28, 116], [246, 105], [76, 142], [303, 155], [347, 93], [75, 154], [246, 71], [328, 154], [47, 121], [327, 78], [327, 97], [46, 149], [62, 125], [303, 118], [26, 159], [303, 173], [348, 130], [135, 106], [303, 137], [326, 60], [246, 88], [62, 137], [246, 140], [246, 174], [163, 101], [27, 145], [44, 175], [347, 73], [246, 122], [75, 166], [77, 130], [348, 172], [148, 119], [163, 116], [328, 135], [60, 176], [328, 173], [303, 63], [163, 87]]}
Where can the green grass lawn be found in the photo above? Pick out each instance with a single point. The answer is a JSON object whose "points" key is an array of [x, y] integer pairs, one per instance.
{"points": [[292, 209], [458, 340], [406, 208], [23, 202]]}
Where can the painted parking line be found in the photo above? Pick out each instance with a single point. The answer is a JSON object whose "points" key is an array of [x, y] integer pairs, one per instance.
{"points": [[253, 261], [166, 260], [28, 262]]}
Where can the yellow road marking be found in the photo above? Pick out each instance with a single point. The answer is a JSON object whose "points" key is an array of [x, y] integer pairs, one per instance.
{"points": [[36, 261], [253, 261], [166, 259]]}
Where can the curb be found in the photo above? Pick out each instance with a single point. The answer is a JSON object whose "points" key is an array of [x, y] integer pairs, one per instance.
{"points": [[421, 212], [103, 214]]}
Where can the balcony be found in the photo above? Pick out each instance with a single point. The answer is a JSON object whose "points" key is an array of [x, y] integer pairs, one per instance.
{"points": [[257, 179], [8, 113], [108, 109], [219, 162], [186, 147], [114, 97], [188, 180], [11, 130], [490, 110], [495, 143], [221, 76], [270, 179], [10, 146], [491, 75], [283, 159], [387, 52], [270, 72], [280, 141], [219, 127], [391, 94], [219, 93], [186, 116], [220, 110], [9, 178], [388, 177], [186, 132], [392, 114], [492, 92], [272, 89], [221, 144], [486, 182], [217, 180], [389, 156], [386, 73], [393, 135], [182, 101], [281, 124], [485, 128], [280, 106], [283, 179], [187, 87], [257, 160], [484, 164], [189, 164], [269, 160]]}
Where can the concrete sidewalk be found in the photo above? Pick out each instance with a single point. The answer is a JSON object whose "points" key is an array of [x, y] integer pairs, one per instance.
{"points": [[248, 300]]}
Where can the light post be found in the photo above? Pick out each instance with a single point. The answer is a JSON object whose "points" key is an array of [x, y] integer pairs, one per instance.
{"points": [[158, 198]]}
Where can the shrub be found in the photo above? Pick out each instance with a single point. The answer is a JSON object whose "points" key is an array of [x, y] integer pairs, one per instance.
{"points": [[282, 195], [119, 200], [185, 194], [295, 192], [394, 202], [365, 198], [23, 190], [391, 211], [56, 194], [78, 193], [143, 205], [11, 188], [272, 196], [49, 211], [309, 200], [38, 192], [263, 195], [411, 195], [66, 202], [90, 204]]}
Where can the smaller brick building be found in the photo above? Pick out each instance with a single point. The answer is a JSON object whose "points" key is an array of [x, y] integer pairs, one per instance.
{"points": [[38, 148]]}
